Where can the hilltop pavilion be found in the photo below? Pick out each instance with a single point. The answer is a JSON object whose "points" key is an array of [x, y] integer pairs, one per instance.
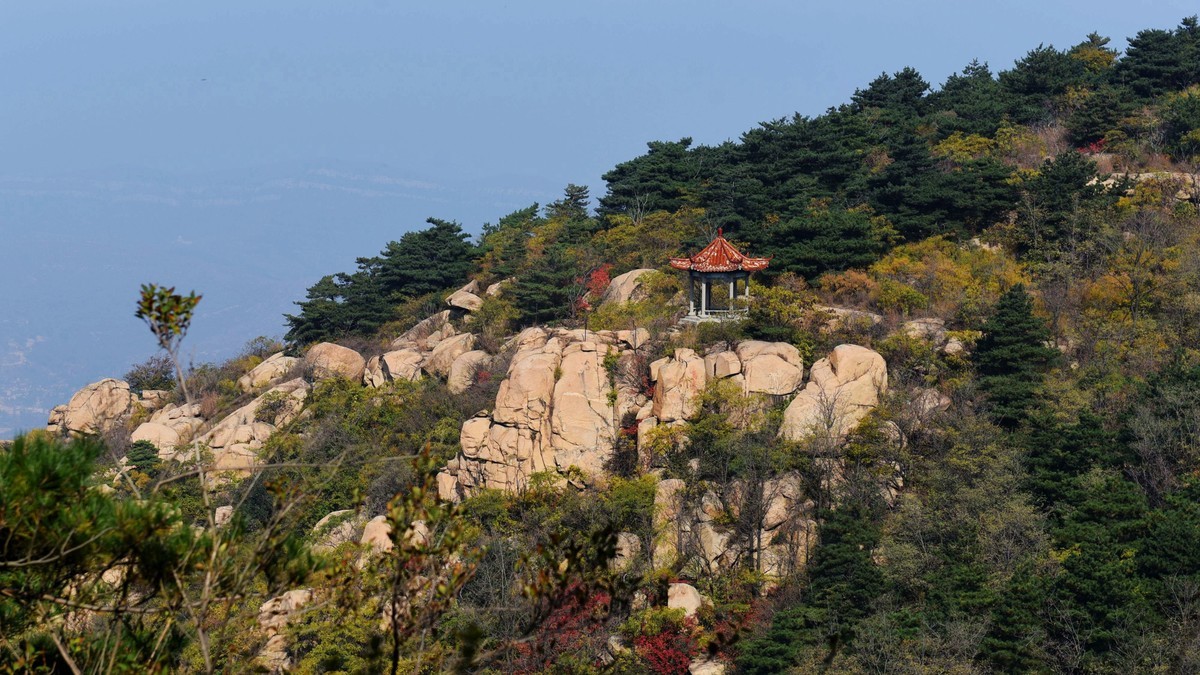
{"points": [[723, 267]]}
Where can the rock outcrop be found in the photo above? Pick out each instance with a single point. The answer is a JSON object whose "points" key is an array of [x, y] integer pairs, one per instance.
{"points": [[773, 368], [685, 597], [427, 333], [269, 372], [678, 381], [842, 389], [931, 330], [625, 287], [169, 427], [273, 616], [98, 408], [235, 440], [466, 298], [465, 368], [446, 351], [557, 408], [400, 364], [334, 529], [328, 361]]}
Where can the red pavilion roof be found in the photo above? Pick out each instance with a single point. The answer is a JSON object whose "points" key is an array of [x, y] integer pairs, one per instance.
{"points": [[720, 256]]}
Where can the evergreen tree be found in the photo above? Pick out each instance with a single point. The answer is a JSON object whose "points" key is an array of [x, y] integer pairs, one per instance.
{"points": [[1012, 356], [426, 261], [843, 583]]}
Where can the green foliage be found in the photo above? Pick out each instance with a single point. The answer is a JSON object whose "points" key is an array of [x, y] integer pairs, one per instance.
{"points": [[143, 456], [1012, 357], [167, 313], [843, 582], [155, 373], [421, 262]]}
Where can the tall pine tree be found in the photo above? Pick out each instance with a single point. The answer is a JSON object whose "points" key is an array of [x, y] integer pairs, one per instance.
{"points": [[1012, 357]]}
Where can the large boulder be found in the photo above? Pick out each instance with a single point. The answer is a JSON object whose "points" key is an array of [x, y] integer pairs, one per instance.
{"points": [[625, 287], [98, 408], [329, 361], [842, 389], [464, 370], [679, 380], [377, 536], [268, 372], [162, 436], [400, 364], [931, 330], [334, 529], [427, 333], [466, 298], [774, 368], [447, 351], [685, 597]]}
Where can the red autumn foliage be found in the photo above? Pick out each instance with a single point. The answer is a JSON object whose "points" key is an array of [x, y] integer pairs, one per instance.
{"points": [[572, 628], [669, 652], [599, 280]]}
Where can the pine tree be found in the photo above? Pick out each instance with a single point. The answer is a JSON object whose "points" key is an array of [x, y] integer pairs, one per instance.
{"points": [[1012, 357]]}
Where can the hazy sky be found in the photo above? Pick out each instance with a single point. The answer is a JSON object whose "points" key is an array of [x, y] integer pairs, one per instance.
{"points": [[246, 148]]}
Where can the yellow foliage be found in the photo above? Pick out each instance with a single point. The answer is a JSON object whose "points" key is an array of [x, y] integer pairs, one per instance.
{"points": [[959, 147], [629, 243]]}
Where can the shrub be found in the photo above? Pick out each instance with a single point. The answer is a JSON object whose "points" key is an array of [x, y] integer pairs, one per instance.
{"points": [[156, 372]]}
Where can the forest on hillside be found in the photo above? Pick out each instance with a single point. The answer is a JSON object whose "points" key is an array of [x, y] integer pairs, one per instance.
{"points": [[1021, 247]]}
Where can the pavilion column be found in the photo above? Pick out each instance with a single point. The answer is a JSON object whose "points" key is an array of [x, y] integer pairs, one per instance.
{"points": [[703, 297], [691, 295]]}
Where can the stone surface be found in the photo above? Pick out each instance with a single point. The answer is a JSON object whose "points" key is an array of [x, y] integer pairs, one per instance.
{"points": [[235, 440], [400, 364], [679, 380], [465, 300], [273, 616], [842, 389], [625, 287], [162, 436], [706, 667], [932, 330], [182, 421], [377, 536], [722, 364], [498, 288], [432, 329], [846, 318], [328, 361], [774, 368], [98, 408], [668, 521], [582, 418], [463, 370], [446, 351], [270, 371], [629, 547], [222, 515], [954, 347], [334, 529], [153, 399], [685, 597]]}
